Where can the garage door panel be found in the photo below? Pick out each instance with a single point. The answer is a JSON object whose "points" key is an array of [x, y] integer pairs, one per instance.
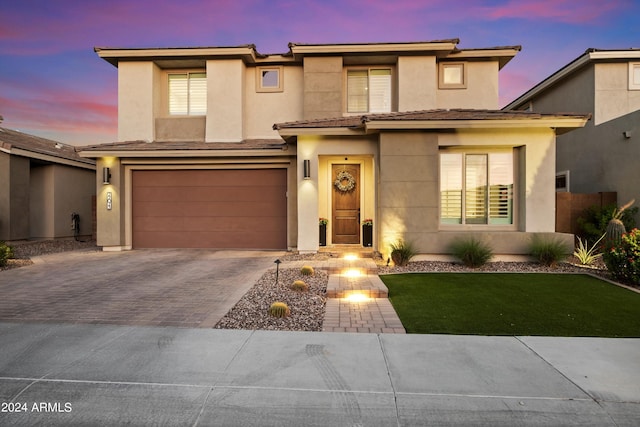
{"points": [[203, 178], [225, 240], [195, 208], [194, 194]]}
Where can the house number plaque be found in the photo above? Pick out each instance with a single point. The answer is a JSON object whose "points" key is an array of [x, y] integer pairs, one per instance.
{"points": [[109, 199]]}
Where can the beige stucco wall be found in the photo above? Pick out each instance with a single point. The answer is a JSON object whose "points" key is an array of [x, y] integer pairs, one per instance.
{"points": [[314, 196], [14, 197], [186, 128], [110, 230], [408, 190], [138, 100], [417, 82], [73, 189], [57, 191], [322, 87], [613, 98], [225, 96], [263, 109], [481, 91], [41, 205]]}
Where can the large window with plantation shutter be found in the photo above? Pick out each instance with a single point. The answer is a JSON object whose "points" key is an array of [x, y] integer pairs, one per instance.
{"points": [[188, 94], [369, 90], [476, 188]]}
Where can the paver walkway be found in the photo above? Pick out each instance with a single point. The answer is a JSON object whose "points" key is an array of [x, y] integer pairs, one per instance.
{"points": [[357, 300]]}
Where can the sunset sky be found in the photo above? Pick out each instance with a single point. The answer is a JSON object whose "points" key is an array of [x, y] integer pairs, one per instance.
{"points": [[52, 84]]}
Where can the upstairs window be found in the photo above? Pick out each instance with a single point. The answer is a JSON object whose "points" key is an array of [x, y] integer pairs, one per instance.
{"points": [[476, 188], [452, 75], [269, 79], [634, 76], [369, 90], [188, 94]]}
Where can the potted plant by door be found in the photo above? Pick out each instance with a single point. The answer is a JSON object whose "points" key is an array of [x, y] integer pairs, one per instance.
{"points": [[367, 232], [323, 231]]}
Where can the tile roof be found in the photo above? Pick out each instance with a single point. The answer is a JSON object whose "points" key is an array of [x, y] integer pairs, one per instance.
{"points": [[425, 115], [12, 139], [248, 144]]}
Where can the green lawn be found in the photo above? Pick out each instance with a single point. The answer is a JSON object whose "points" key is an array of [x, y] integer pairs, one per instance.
{"points": [[513, 304]]}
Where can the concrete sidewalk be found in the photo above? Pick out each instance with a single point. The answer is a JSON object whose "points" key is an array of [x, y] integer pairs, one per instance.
{"points": [[115, 375]]}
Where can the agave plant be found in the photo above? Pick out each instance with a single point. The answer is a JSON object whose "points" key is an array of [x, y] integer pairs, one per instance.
{"points": [[585, 254]]}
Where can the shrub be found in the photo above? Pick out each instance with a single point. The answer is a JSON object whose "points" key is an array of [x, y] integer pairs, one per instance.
{"points": [[472, 252], [6, 253], [548, 251], [623, 260], [299, 285], [586, 255], [306, 270], [593, 221], [402, 252], [279, 309]]}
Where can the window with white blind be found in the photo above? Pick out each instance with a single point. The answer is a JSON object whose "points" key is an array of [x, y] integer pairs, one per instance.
{"points": [[188, 94], [476, 188], [634, 76], [369, 90]]}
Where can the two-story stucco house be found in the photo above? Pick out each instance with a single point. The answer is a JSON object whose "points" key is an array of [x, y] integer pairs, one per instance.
{"points": [[602, 156], [223, 147]]}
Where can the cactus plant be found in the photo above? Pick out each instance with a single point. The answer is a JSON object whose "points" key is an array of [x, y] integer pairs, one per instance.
{"points": [[279, 309], [306, 270], [615, 227], [299, 285]]}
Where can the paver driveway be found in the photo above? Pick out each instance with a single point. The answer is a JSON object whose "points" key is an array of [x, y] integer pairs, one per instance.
{"points": [[159, 287]]}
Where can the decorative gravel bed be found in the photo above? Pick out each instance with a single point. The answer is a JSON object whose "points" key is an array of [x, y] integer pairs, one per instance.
{"points": [[23, 250], [307, 308]]}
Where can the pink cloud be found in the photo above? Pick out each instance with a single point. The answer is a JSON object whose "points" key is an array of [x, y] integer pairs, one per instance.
{"points": [[567, 11], [68, 114]]}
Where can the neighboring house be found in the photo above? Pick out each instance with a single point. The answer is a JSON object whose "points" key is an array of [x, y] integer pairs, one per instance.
{"points": [[43, 182], [407, 134], [604, 155]]}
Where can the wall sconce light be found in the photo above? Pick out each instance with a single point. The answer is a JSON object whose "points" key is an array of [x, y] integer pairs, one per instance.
{"points": [[106, 176], [307, 169], [627, 134]]}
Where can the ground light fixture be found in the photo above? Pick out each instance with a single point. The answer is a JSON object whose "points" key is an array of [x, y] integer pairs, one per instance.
{"points": [[277, 263], [352, 272], [106, 176], [357, 297]]}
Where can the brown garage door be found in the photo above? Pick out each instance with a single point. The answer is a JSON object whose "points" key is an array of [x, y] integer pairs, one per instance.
{"points": [[242, 209]]}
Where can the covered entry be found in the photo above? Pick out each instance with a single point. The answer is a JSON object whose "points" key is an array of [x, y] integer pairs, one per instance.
{"points": [[224, 208]]}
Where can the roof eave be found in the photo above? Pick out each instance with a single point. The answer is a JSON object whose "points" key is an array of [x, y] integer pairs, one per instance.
{"points": [[502, 54], [183, 153], [555, 123], [114, 55], [330, 131], [86, 164], [372, 48]]}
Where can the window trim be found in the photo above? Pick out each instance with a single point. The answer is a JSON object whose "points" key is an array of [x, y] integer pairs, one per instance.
{"points": [[168, 92], [368, 69], [567, 180], [515, 199], [633, 68], [260, 88], [441, 72]]}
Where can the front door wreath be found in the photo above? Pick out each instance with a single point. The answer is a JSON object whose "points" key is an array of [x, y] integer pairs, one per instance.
{"points": [[345, 182]]}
